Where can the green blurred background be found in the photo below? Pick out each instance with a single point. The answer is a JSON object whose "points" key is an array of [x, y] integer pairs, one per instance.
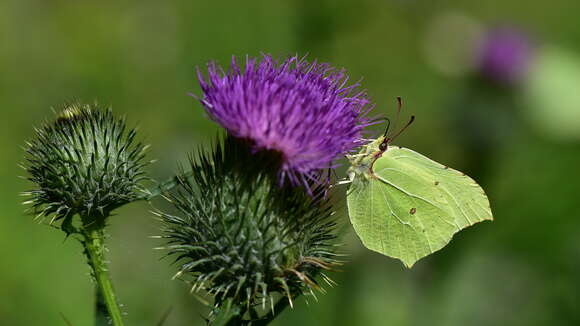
{"points": [[520, 140]]}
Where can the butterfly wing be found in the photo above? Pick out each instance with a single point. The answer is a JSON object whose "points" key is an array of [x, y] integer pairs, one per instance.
{"points": [[411, 206]]}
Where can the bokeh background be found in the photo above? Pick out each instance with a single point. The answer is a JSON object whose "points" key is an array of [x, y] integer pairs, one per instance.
{"points": [[495, 86]]}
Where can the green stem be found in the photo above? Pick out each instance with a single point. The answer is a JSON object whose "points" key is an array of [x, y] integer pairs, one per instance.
{"points": [[101, 311], [94, 243]]}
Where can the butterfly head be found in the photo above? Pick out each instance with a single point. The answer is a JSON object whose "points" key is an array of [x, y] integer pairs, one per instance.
{"points": [[362, 162], [384, 141]]}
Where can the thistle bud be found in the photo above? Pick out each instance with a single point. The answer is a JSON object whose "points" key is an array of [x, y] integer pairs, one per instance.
{"points": [[86, 163], [239, 235]]}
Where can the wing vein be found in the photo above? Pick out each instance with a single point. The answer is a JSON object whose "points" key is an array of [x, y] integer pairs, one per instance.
{"points": [[395, 215], [418, 197]]}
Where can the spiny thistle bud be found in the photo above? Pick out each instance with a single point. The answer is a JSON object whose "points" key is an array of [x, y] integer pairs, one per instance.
{"points": [[86, 162], [239, 235]]}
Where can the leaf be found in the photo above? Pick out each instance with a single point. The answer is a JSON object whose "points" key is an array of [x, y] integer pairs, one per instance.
{"points": [[407, 206]]}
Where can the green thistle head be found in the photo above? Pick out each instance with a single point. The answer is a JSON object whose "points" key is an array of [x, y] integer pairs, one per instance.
{"points": [[86, 163], [238, 235]]}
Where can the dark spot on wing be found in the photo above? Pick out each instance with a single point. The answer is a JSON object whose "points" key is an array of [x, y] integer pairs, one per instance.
{"points": [[436, 183], [413, 211]]}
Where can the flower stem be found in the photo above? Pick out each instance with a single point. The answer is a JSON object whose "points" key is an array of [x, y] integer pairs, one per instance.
{"points": [[94, 243], [101, 312]]}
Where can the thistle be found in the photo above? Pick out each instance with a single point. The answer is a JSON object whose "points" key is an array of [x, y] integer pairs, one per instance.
{"points": [[85, 163], [240, 236], [304, 111]]}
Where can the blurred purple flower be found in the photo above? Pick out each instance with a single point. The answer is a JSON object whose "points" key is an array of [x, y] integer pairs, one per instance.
{"points": [[505, 55], [304, 111]]}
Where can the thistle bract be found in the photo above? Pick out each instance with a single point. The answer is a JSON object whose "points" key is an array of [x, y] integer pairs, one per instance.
{"points": [[239, 235], [86, 162], [305, 111]]}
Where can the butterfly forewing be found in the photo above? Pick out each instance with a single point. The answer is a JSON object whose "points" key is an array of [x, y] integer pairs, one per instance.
{"points": [[409, 206], [445, 187]]}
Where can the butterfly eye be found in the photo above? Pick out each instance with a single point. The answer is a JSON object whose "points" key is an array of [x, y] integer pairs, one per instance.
{"points": [[383, 146]]}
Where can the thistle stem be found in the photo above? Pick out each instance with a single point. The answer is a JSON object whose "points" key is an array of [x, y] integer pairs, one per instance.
{"points": [[101, 311], [94, 243]]}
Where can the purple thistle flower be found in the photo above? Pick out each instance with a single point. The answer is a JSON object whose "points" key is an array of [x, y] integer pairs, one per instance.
{"points": [[304, 111], [505, 55]]}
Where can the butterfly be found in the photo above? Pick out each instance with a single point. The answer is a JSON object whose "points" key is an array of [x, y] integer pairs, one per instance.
{"points": [[405, 205]]}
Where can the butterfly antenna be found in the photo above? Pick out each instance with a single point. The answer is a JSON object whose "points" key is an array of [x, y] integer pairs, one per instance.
{"points": [[403, 129], [388, 121], [399, 107]]}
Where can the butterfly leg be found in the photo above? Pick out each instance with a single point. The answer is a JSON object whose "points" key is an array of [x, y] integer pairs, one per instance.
{"points": [[341, 182]]}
